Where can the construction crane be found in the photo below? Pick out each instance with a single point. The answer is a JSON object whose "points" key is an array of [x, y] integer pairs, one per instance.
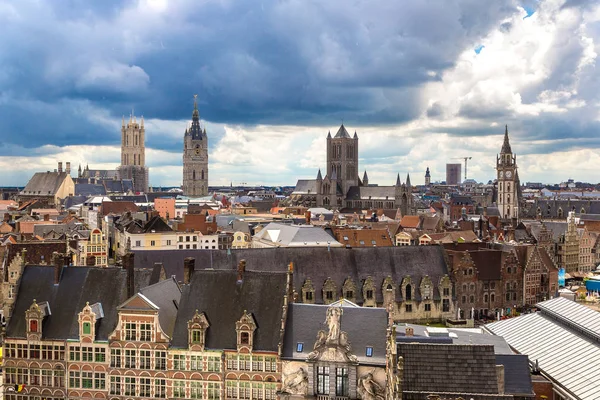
{"points": [[466, 161]]}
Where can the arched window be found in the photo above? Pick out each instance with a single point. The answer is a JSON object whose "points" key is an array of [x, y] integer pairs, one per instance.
{"points": [[244, 338], [485, 298], [492, 297], [408, 292], [202, 174], [33, 325], [560, 212], [194, 175]]}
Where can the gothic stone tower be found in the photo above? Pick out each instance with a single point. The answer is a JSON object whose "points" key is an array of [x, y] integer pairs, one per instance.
{"points": [[342, 159], [195, 157], [508, 181], [133, 154], [403, 196]]}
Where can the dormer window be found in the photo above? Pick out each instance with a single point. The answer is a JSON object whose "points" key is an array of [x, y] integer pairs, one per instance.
{"points": [[245, 328], [33, 325], [197, 327], [34, 317], [87, 328]]}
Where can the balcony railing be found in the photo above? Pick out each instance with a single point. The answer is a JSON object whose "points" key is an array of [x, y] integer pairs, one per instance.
{"points": [[328, 397]]}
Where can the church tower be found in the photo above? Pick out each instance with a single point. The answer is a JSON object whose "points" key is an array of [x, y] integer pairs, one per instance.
{"points": [[133, 154], [342, 159], [508, 181], [195, 157]]}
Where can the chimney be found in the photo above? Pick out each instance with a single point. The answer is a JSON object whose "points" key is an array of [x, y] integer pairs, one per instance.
{"points": [[410, 332], [500, 377], [128, 260], [57, 261], [241, 270], [189, 264], [59, 167], [68, 168], [307, 215], [46, 217]]}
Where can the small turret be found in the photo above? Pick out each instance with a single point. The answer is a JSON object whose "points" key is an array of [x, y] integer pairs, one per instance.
{"points": [[398, 182], [319, 176], [355, 136], [329, 135], [365, 179], [408, 180], [506, 145]]}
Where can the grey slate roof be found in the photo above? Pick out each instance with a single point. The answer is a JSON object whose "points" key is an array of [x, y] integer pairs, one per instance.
{"points": [[517, 378], [550, 207], [342, 133], [223, 301], [89, 189], [77, 286], [558, 228], [447, 368], [317, 264], [305, 320], [165, 294], [44, 183], [371, 193], [306, 186]]}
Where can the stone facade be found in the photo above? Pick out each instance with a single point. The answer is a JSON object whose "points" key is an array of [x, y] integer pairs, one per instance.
{"points": [[567, 248], [195, 157], [133, 154], [342, 188]]}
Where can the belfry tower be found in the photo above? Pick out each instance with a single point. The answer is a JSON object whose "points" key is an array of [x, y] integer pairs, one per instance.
{"points": [[133, 154], [195, 157]]}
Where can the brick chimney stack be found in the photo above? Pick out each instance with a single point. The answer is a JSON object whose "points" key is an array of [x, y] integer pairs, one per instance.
{"points": [[241, 270], [128, 263], [189, 265], [57, 261], [68, 168], [60, 167]]}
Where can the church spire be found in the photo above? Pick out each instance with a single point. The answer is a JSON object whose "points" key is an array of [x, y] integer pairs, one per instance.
{"points": [[196, 113], [398, 183], [319, 176], [506, 145], [407, 179], [365, 178]]}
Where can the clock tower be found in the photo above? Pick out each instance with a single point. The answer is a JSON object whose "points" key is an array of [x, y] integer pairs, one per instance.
{"points": [[508, 181], [195, 157]]}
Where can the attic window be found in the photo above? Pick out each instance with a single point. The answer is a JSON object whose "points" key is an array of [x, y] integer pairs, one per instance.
{"points": [[87, 328], [244, 338], [369, 351], [299, 347]]}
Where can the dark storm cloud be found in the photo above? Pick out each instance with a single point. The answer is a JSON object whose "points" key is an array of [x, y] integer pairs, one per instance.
{"points": [[292, 62]]}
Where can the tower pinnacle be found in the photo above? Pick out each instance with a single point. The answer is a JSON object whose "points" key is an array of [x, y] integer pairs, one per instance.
{"points": [[506, 145]]}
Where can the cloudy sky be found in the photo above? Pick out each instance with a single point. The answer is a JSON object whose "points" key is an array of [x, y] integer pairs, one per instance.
{"points": [[422, 82]]}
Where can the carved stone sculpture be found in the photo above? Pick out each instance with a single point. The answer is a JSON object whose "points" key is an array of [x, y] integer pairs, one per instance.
{"points": [[368, 389], [333, 321], [296, 382]]}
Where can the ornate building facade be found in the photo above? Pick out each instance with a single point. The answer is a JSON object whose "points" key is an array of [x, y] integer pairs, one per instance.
{"points": [[508, 181], [342, 188], [195, 157], [133, 154]]}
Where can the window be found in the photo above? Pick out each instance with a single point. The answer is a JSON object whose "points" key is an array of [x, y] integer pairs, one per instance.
{"points": [[408, 307], [492, 297], [369, 351], [74, 354], [99, 354], [213, 391], [74, 379], [87, 328], [369, 294], [309, 296], [179, 361], [129, 358], [214, 364], [244, 338], [196, 336], [244, 363], [115, 358], [144, 359], [322, 380], [196, 363], [152, 243], [299, 347], [471, 299], [195, 390], [138, 243], [145, 332], [270, 364], [99, 380], [341, 382], [160, 386], [115, 385], [129, 386], [87, 354], [349, 294], [130, 331], [144, 387], [168, 242], [408, 290], [427, 307], [329, 295]]}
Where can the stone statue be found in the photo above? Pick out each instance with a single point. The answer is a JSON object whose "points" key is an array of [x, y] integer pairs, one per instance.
{"points": [[368, 389], [344, 342], [321, 338], [296, 382], [333, 321]]}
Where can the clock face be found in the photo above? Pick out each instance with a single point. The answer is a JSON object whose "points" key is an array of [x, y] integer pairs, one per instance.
{"points": [[508, 174]]}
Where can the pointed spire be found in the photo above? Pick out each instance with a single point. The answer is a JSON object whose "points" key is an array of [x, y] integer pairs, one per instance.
{"points": [[329, 135], [342, 132], [142, 122], [204, 131], [407, 179], [427, 174], [398, 183], [365, 177], [355, 135], [506, 144], [196, 113], [319, 176]]}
